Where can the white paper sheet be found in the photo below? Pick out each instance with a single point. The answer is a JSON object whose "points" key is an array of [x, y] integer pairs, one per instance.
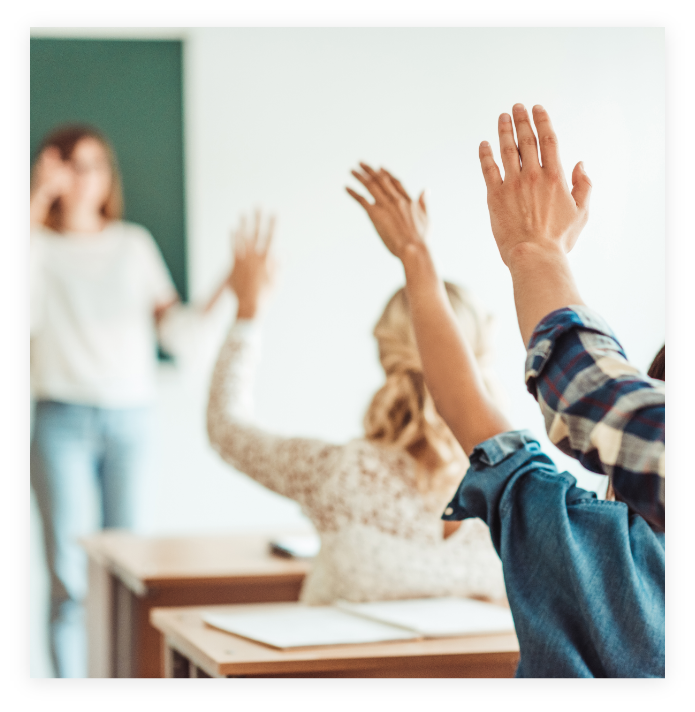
{"points": [[437, 617], [296, 625]]}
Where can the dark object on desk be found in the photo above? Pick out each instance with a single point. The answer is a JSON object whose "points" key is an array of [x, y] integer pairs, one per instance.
{"points": [[296, 546]]}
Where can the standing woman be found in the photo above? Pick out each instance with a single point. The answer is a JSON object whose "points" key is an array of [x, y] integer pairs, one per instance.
{"points": [[100, 292]]}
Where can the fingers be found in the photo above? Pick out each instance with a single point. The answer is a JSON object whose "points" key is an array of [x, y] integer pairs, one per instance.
{"points": [[528, 146], [581, 187], [372, 182], [362, 201], [239, 238], [256, 229], [508, 149], [550, 154], [421, 201], [397, 185], [270, 232], [491, 172], [246, 241]]}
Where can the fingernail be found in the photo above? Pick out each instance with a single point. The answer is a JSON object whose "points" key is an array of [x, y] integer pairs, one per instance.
{"points": [[518, 107], [505, 118], [484, 144], [538, 107], [581, 166]]}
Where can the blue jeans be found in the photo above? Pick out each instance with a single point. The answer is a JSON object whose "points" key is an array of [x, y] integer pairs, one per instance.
{"points": [[86, 464], [584, 577]]}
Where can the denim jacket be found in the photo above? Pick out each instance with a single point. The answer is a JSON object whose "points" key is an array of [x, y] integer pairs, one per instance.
{"points": [[584, 577]]}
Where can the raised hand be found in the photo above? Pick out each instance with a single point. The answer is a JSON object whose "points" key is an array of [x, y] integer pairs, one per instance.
{"points": [[52, 176], [399, 221], [533, 204], [252, 274]]}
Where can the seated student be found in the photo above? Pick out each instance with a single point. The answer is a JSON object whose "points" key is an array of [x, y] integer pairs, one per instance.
{"points": [[375, 501], [584, 577]]}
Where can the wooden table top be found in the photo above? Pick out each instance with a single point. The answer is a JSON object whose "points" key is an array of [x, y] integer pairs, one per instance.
{"points": [[143, 562], [225, 654]]}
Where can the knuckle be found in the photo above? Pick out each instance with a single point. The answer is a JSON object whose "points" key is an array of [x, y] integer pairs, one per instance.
{"points": [[528, 141], [510, 151], [549, 140], [554, 175]]}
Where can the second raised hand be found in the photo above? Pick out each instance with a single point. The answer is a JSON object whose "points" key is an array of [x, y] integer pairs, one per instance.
{"points": [[533, 204], [398, 219], [253, 271]]}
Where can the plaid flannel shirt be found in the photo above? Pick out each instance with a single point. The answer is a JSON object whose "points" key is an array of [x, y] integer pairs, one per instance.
{"points": [[600, 409]]}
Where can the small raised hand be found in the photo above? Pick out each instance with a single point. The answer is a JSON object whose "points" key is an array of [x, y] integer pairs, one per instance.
{"points": [[253, 271]]}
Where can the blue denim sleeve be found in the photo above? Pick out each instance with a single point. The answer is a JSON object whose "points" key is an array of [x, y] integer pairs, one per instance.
{"points": [[584, 577]]}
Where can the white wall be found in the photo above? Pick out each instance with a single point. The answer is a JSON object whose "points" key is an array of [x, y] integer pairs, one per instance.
{"points": [[277, 117]]}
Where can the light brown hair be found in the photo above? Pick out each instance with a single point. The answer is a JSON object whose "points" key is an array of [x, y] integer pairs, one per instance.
{"points": [[65, 138], [402, 413]]}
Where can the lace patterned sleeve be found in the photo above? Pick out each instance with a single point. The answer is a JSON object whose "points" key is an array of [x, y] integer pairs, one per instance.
{"points": [[297, 468]]}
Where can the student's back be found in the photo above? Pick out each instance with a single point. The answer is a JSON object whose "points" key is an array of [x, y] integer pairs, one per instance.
{"points": [[376, 501]]}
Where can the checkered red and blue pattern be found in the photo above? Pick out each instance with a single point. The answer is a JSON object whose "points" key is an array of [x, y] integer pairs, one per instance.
{"points": [[600, 409]]}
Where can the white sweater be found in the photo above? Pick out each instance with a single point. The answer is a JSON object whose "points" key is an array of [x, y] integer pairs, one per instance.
{"points": [[380, 537], [93, 338]]}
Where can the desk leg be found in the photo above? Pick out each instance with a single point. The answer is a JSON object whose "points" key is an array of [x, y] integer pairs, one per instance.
{"points": [[177, 665], [100, 621]]}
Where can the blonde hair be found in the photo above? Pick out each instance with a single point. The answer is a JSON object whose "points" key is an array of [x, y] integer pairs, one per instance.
{"points": [[402, 414]]}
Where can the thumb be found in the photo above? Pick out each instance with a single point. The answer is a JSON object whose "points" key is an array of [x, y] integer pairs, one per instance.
{"points": [[581, 186], [421, 200]]}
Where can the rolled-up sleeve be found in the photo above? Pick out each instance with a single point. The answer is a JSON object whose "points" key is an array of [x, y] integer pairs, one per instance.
{"points": [[598, 408], [584, 577]]}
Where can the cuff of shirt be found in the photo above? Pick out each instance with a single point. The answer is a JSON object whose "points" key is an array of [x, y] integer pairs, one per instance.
{"points": [[498, 458], [543, 342], [246, 328]]}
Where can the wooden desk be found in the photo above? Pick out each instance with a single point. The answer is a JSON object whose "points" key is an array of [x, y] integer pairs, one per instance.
{"points": [[129, 575], [194, 649]]}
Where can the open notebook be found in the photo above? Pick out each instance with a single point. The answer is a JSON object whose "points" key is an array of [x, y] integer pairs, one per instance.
{"points": [[294, 625]]}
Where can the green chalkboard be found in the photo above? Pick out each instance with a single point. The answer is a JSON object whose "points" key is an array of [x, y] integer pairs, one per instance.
{"points": [[132, 91]]}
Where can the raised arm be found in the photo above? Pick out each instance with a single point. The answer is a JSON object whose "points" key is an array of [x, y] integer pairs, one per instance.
{"points": [[597, 407], [535, 217], [297, 468], [449, 366]]}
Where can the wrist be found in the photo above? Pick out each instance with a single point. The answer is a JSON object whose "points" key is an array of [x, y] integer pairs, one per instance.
{"points": [[525, 256], [417, 260], [247, 309]]}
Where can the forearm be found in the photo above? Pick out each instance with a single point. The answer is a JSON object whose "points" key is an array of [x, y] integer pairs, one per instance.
{"points": [[543, 282], [449, 366]]}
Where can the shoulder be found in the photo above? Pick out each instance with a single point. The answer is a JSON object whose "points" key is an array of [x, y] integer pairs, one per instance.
{"points": [[137, 239], [375, 462], [41, 235], [137, 234]]}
